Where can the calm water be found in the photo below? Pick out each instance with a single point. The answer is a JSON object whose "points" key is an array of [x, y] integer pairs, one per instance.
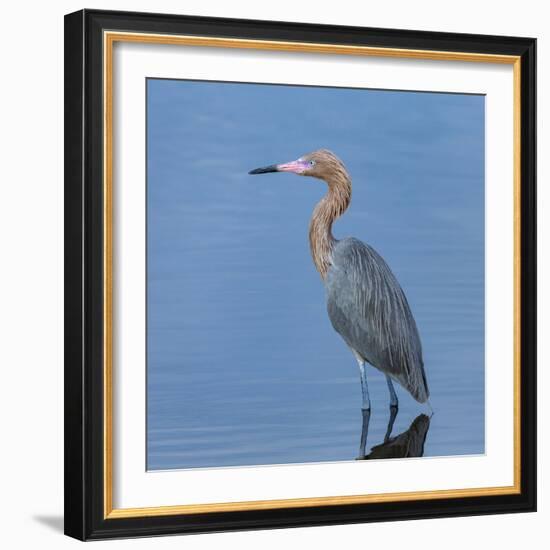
{"points": [[243, 365]]}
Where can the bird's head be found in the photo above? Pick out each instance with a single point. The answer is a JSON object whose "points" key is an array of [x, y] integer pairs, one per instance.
{"points": [[322, 164]]}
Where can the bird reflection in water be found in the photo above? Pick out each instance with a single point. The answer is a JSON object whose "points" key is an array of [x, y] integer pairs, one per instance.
{"points": [[408, 444]]}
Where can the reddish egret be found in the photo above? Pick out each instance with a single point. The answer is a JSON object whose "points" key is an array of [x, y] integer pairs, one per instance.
{"points": [[365, 303]]}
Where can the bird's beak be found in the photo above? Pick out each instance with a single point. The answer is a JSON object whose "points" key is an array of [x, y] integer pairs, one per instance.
{"points": [[296, 167], [265, 169]]}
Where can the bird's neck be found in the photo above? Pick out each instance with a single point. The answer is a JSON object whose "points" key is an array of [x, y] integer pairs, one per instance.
{"points": [[329, 208]]}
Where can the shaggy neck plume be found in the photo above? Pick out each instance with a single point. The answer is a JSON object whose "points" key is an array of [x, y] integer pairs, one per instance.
{"points": [[331, 207]]}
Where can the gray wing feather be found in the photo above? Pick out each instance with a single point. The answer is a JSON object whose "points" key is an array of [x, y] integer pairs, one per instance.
{"points": [[368, 308]]}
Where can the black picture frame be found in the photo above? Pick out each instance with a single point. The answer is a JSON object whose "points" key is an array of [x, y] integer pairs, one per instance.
{"points": [[84, 282]]}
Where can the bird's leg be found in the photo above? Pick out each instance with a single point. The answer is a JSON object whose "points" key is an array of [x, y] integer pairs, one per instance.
{"points": [[364, 387], [393, 414], [364, 433], [394, 403]]}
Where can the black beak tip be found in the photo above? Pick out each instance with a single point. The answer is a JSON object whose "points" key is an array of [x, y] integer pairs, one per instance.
{"points": [[264, 170]]}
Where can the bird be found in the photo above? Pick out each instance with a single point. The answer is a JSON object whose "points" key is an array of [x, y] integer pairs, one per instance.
{"points": [[365, 303]]}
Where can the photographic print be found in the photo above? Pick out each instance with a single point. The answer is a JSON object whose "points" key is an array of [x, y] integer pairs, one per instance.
{"points": [[315, 274]]}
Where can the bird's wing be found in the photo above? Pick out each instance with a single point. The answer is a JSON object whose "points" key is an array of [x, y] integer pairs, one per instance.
{"points": [[368, 308]]}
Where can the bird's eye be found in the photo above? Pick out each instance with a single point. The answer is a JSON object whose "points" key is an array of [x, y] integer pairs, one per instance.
{"points": [[312, 163]]}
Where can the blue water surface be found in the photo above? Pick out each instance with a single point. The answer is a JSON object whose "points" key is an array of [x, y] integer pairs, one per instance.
{"points": [[243, 366]]}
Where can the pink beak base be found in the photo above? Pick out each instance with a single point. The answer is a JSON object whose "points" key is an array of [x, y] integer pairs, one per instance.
{"points": [[296, 167]]}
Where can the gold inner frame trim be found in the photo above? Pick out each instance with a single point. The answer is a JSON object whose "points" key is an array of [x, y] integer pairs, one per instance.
{"points": [[109, 39]]}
